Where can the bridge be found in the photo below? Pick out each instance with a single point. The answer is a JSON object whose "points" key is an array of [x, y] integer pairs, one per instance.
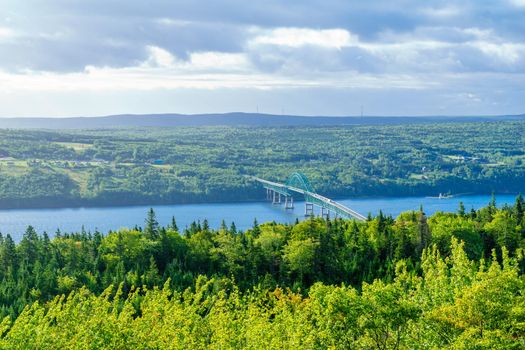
{"points": [[298, 183]]}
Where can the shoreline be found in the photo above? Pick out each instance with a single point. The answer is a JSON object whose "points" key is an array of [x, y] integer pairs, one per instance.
{"points": [[77, 205]]}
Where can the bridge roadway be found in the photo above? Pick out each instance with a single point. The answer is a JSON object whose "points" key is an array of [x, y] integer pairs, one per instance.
{"points": [[311, 198]]}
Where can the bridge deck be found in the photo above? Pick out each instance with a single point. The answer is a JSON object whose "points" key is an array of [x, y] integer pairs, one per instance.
{"points": [[312, 198]]}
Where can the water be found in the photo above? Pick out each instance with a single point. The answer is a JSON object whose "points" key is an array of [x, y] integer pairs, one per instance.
{"points": [[243, 214]]}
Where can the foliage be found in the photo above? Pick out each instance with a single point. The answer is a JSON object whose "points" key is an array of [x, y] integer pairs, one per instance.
{"points": [[198, 164], [314, 284]]}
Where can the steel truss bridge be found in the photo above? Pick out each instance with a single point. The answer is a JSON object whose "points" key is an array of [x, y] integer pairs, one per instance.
{"points": [[298, 183]]}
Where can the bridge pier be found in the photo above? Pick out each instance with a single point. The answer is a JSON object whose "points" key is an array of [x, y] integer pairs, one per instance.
{"points": [[308, 209], [325, 212], [276, 199], [288, 203]]}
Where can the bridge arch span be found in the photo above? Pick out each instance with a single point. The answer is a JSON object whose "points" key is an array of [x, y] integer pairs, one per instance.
{"points": [[299, 180]]}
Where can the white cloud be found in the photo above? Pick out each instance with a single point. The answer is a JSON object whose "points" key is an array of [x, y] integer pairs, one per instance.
{"points": [[196, 74], [298, 37], [218, 61], [428, 47], [172, 22], [6, 33], [508, 53], [159, 57], [518, 3], [198, 61], [442, 12]]}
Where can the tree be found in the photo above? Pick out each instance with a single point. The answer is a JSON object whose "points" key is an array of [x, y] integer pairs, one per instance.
{"points": [[386, 315], [233, 228], [173, 226], [205, 225], [8, 255], [29, 247], [151, 276], [519, 210], [299, 256], [461, 210], [424, 236], [151, 228], [255, 228], [503, 229]]}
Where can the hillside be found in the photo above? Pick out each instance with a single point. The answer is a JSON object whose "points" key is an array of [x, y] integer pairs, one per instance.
{"points": [[230, 119]]}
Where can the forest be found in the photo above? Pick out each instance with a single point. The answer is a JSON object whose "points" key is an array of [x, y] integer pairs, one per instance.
{"points": [[123, 166], [450, 280]]}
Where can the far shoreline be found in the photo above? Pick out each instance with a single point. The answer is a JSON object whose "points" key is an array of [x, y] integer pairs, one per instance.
{"points": [[76, 205]]}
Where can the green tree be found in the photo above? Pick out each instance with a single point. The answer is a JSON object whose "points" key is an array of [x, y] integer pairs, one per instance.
{"points": [[151, 228]]}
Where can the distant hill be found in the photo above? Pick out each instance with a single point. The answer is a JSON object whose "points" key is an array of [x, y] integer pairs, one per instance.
{"points": [[231, 119]]}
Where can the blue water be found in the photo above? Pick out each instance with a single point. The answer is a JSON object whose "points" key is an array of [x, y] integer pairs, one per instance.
{"points": [[15, 222]]}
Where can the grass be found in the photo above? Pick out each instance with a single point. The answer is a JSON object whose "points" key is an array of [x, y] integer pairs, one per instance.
{"points": [[13, 167], [80, 176], [75, 145], [416, 176]]}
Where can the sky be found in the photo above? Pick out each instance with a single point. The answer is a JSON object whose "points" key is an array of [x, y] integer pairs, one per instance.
{"points": [[308, 57]]}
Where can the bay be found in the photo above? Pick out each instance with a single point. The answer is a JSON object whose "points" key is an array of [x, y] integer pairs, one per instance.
{"points": [[243, 214]]}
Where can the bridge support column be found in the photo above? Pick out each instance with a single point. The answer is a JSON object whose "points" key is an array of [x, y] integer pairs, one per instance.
{"points": [[274, 197], [325, 212], [279, 198], [308, 209], [288, 202], [268, 195]]}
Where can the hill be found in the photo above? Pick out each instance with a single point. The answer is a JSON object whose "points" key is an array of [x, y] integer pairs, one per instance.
{"points": [[228, 119]]}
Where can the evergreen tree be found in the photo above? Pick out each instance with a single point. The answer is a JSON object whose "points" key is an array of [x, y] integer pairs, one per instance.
{"points": [[424, 236], [461, 210], [173, 224], [255, 228], [28, 247], [8, 255], [205, 225], [519, 209], [223, 226], [492, 205], [193, 229], [151, 229], [233, 228]]}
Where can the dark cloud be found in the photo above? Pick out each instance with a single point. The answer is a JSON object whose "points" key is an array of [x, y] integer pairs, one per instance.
{"points": [[65, 35], [454, 54]]}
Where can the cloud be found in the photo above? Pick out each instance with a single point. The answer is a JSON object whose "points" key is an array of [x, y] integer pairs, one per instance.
{"points": [[215, 61], [6, 33], [158, 57], [394, 47], [445, 12], [518, 3], [298, 37], [505, 52]]}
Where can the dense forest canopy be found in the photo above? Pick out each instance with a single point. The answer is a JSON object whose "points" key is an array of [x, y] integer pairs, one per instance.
{"points": [[206, 164], [451, 280]]}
